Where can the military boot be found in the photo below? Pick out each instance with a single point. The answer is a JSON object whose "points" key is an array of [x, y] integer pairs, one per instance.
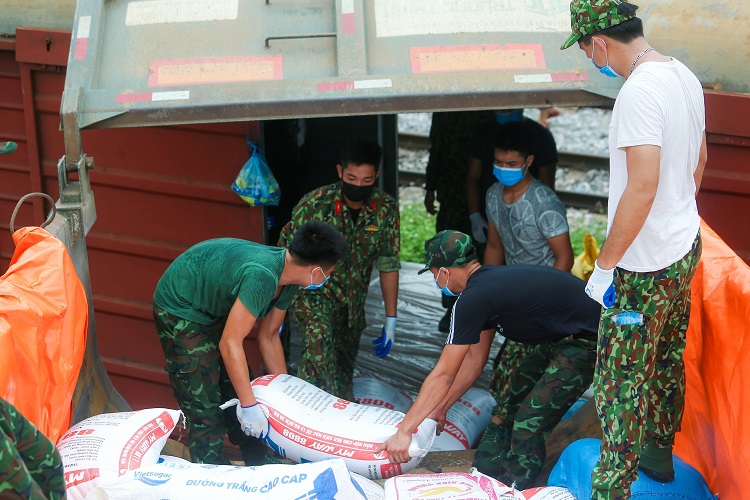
{"points": [[496, 438], [657, 463]]}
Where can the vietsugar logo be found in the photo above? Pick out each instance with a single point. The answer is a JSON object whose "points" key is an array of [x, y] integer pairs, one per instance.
{"points": [[152, 478]]}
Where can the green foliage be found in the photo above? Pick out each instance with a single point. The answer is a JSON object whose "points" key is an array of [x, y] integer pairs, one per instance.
{"points": [[578, 228], [417, 226]]}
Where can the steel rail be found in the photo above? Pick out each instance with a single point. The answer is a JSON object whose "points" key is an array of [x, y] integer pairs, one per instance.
{"points": [[571, 198]]}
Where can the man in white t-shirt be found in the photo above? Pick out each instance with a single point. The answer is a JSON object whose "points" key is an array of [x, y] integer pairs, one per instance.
{"points": [[642, 277]]}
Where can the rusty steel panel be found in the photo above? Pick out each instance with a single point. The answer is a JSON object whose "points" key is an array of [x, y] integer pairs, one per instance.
{"points": [[724, 199], [15, 173], [42, 46], [159, 190]]}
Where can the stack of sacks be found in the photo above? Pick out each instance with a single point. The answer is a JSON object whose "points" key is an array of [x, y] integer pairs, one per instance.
{"points": [[116, 456], [177, 479]]}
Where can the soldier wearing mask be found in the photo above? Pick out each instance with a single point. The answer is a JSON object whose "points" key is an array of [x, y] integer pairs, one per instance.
{"points": [[332, 319]]}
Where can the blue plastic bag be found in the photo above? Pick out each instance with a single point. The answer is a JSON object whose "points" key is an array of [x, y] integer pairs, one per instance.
{"points": [[573, 471], [255, 183]]}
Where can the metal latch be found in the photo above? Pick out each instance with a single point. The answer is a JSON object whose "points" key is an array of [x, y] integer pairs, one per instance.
{"points": [[76, 201]]}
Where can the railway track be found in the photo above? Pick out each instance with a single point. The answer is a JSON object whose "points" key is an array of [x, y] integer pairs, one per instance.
{"points": [[574, 161]]}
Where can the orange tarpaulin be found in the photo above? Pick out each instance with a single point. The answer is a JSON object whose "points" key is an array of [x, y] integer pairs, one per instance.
{"points": [[43, 323], [715, 436]]}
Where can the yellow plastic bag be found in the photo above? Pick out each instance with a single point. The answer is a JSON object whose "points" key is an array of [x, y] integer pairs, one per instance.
{"points": [[43, 325], [583, 265]]}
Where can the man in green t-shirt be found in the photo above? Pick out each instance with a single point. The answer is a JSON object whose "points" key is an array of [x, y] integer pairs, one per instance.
{"points": [[205, 305]]}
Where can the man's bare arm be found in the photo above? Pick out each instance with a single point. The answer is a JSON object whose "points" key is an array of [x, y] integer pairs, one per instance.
{"points": [[635, 204]]}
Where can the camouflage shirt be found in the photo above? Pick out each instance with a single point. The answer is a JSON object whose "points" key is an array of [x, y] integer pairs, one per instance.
{"points": [[372, 238]]}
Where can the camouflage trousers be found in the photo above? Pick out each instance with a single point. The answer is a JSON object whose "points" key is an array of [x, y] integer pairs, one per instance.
{"points": [[544, 382], [330, 344], [640, 380], [504, 368], [30, 466], [200, 383]]}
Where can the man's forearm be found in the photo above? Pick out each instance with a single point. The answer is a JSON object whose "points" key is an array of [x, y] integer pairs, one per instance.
{"points": [[272, 354], [269, 344], [389, 287], [467, 375], [433, 391], [630, 217], [235, 362]]}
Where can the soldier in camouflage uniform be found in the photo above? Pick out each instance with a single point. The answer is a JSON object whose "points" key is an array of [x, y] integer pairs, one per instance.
{"points": [[206, 303], [643, 273], [30, 466], [542, 307], [332, 319], [446, 175]]}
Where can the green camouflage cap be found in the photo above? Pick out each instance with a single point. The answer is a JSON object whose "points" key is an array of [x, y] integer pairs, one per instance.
{"points": [[591, 16], [448, 249]]}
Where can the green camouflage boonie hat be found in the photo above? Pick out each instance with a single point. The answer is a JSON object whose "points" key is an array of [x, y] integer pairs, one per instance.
{"points": [[590, 16], [448, 249]]}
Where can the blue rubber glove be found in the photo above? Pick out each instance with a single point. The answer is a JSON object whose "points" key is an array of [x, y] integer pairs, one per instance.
{"points": [[478, 227], [253, 421], [600, 286], [382, 345]]}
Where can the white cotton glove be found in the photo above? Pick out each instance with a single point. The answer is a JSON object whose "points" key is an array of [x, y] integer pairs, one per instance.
{"points": [[251, 418], [600, 286], [478, 227], [382, 345]]}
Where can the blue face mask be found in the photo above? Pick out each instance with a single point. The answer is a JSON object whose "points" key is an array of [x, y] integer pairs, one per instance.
{"points": [[313, 286], [605, 70], [446, 291], [508, 176], [513, 116]]}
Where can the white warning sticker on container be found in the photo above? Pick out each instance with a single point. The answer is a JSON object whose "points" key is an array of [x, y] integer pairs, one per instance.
{"points": [[434, 17], [538, 78], [180, 11], [170, 96], [84, 27]]}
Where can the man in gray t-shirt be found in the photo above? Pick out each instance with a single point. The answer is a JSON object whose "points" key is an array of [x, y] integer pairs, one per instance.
{"points": [[525, 227], [528, 225], [528, 220]]}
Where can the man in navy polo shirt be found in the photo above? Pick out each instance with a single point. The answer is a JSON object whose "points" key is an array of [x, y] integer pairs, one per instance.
{"points": [[540, 306]]}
